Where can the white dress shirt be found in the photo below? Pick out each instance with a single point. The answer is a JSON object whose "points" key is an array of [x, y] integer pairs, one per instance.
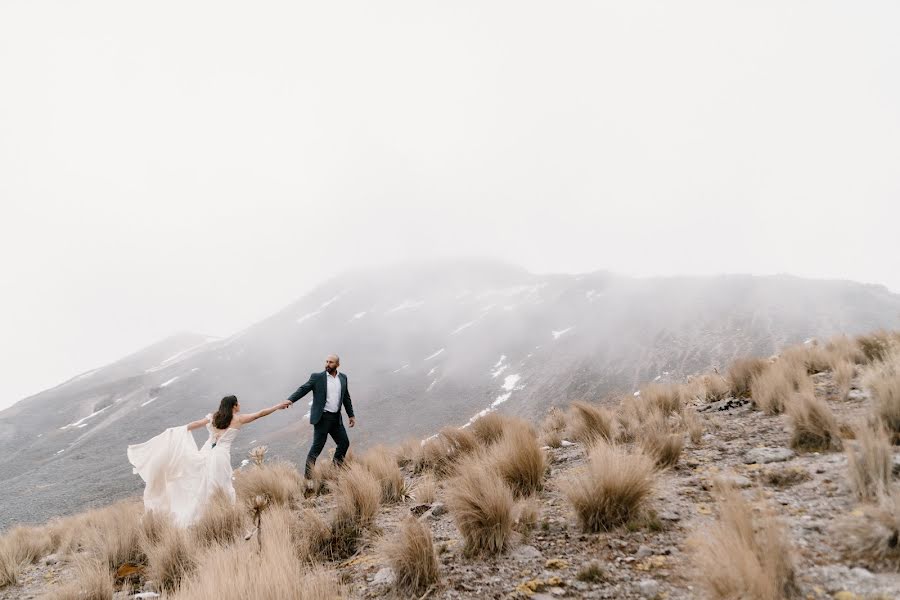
{"points": [[333, 393]]}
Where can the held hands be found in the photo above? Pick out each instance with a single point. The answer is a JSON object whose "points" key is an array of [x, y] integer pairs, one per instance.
{"points": [[283, 405]]}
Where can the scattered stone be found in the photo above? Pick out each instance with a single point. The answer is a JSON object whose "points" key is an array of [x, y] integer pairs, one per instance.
{"points": [[557, 591], [51, 559], [385, 576], [566, 443], [420, 509], [669, 515], [526, 553], [858, 395], [146, 595], [643, 551], [648, 588], [768, 455]]}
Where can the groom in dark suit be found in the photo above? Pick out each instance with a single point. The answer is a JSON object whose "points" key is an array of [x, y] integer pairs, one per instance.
{"points": [[329, 390]]}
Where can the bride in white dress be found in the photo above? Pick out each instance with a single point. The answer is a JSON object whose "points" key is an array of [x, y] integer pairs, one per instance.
{"points": [[179, 478]]}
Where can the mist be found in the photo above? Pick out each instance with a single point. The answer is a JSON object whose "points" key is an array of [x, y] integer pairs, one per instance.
{"points": [[173, 167]]}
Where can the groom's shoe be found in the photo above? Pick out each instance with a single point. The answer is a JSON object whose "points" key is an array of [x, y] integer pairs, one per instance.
{"points": [[309, 488]]}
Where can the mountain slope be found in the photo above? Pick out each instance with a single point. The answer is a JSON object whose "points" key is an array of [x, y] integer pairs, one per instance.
{"points": [[424, 346]]}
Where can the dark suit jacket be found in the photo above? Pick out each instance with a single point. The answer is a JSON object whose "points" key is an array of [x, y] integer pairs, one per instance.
{"points": [[318, 385]]}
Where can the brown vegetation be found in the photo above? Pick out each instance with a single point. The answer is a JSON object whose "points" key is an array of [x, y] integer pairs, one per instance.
{"points": [[279, 482], [772, 389], [382, 464], [872, 537], [519, 460], [612, 489], [410, 553], [662, 397], [739, 558], [591, 423], [884, 381], [814, 428], [659, 441], [441, 453], [221, 523], [489, 428], [553, 428], [482, 507], [741, 374], [869, 463]]}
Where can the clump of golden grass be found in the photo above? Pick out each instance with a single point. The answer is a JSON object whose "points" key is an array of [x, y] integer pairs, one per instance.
{"points": [[93, 581], [527, 515], [772, 389], [659, 441], [113, 534], [884, 382], [841, 348], [842, 373], [482, 507], [311, 534], [425, 491], [21, 546], [741, 374], [222, 521], [553, 428], [519, 460], [441, 453], [814, 428], [663, 397], [488, 428], [739, 558], [279, 481], [358, 496], [410, 553], [611, 489], [591, 572], [382, 464], [871, 539], [869, 463], [692, 423], [408, 451], [170, 559], [591, 423], [874, 346], [714, 387]]}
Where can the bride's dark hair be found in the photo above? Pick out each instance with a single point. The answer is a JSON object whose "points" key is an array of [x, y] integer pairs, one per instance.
{"points": [[223, 416]]}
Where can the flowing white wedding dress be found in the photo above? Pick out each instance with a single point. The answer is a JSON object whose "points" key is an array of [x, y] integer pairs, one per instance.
{"points": [[179, 478]]}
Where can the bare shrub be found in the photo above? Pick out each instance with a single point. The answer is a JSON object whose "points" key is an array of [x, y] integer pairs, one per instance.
{"points": [[222, 521], [93, 581], [659, 441], [482, 507], [410, 553], [773, 388], [741, 374], [611, 489], [884, 382], [519, 460], [488, 428], [358, 496], [871, 538], [170, 559], [425, 490], [591, 423], [382, 464], [814, 428], [739, 558], [663, 397], [280, 482], [869, 463]]}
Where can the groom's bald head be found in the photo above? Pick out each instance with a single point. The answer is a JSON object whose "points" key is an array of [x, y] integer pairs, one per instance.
{"points": [[332, 362]]}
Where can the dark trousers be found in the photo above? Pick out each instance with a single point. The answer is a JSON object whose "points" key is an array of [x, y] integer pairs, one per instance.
{"points": [[330, 424]]}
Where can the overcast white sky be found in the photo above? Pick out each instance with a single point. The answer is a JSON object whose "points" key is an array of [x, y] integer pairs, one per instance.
{"points": [[172, 166]]}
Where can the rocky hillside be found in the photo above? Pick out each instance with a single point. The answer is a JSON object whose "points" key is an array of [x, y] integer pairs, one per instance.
{"points": [[790, 490], [424, 346]]}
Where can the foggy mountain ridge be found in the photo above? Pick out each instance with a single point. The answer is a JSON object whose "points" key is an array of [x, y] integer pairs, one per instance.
{"points": [[424, 346]]}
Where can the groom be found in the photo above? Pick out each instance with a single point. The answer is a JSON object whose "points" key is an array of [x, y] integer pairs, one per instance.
{"points": [[329, 390]]}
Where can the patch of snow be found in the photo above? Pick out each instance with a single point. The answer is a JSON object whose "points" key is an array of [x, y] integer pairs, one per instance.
{"points": [[406, 366], [435, 355], [81, 422], [149, 401], [557, 334], [252, 442], [61, 451], [431, 372], [657, 378], [498, 371], [510, 382], [195, 369], [327, 302], [245, 462], [308, 316], [501, 399], [431, 385], [406, 304], [637, 393], [358, 315], [461, 327], [500, 362], [86, 375], [168, 382], [40, 434]]}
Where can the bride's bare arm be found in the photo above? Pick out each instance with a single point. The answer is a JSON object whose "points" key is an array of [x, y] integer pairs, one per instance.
{"points": [[197, 424], [249, 418]]}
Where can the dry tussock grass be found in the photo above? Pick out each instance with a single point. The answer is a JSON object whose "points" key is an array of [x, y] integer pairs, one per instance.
{"points": [[410, 553], [312, 536], [527, 514], [883, 379], [482, 507], [21, 546], [812, 357], [662, 397], [519, 460], [814, 428], [591, 423], [553, 428], [739, 558], [872, 539], [425, 491], [382, 464], [842, 374], [113, 534], [611, 489], [841, 348], [741, 374], [692, 424], [280, 482], [358, 496], [772, 389], [171, 558], [869, 463], [408, 451], [221, 523], [874, 346], [488, 429], [441, 453], [92, 581], [659, 441]]}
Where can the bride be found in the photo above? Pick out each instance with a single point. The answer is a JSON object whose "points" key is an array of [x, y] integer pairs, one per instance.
{"points": [[179, 478]]}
